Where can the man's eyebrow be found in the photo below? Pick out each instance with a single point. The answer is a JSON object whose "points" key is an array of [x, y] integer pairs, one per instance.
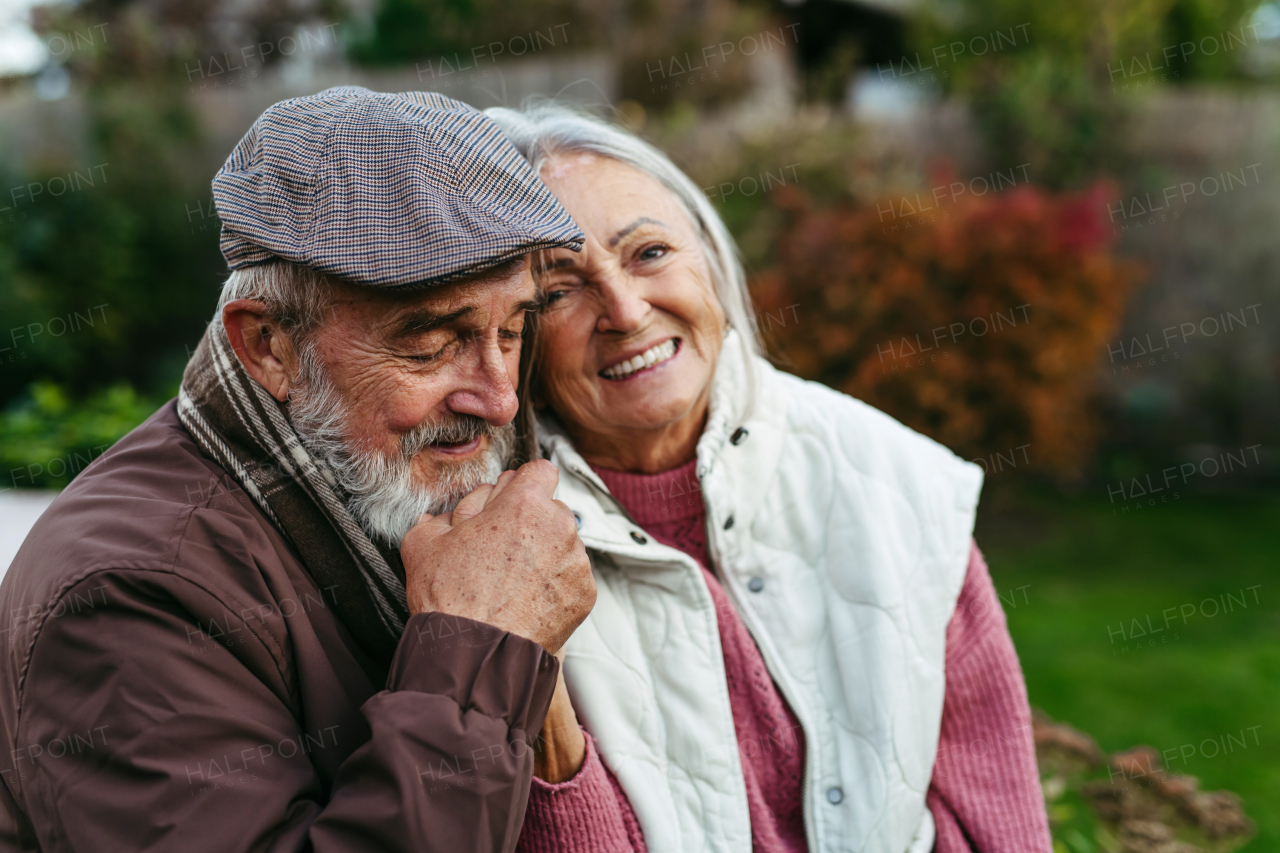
{"points": [[643, 220], [535, 304], [419, 321]]}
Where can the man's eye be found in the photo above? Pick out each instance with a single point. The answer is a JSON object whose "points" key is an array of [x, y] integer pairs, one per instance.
{"points": [[424, 358]]}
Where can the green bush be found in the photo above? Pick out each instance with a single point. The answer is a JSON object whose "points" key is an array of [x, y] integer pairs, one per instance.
{"points": [[46, 438]]}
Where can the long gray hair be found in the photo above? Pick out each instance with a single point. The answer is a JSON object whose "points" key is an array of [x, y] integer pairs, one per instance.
{"points": [[542, 129]]}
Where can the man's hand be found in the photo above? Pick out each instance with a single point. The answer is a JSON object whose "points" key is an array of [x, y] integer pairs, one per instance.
{"points": [[509, 555]]}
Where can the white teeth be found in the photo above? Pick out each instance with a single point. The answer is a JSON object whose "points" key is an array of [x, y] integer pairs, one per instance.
{"points": [[648, 358]]}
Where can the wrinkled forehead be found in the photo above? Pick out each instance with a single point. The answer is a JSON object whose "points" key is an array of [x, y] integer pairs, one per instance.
{"points": [[489, 296]]}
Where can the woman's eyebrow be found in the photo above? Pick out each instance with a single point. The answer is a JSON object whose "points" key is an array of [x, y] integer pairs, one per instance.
{"points": [[643, 220]]}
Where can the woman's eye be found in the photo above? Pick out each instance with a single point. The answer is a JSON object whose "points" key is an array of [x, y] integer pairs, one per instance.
{"points": [[554, 296], [652, 253]]}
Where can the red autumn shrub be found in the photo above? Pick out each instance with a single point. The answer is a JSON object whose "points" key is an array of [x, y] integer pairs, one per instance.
{"points": [[980, 323]]}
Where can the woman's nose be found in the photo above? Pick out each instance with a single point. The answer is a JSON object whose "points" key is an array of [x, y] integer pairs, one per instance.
{"points": [[624, 306]]}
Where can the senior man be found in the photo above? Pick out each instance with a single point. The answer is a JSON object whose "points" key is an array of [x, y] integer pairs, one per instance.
{"points": [[304, 607]]}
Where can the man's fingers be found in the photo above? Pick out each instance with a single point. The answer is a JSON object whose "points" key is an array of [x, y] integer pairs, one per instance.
{"points": [[440, 521], [428, 527], [472, 504], [503, 478], [539, 474]]}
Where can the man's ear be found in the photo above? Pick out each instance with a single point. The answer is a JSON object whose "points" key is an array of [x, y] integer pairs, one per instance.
{"points": [[264, 350]]}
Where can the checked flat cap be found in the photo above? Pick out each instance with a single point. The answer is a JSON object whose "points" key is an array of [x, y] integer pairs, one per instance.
{"points": [[390, 190]]}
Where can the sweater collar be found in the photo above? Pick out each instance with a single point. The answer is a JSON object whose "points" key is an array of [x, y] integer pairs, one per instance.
{"points": [[660, 498]]}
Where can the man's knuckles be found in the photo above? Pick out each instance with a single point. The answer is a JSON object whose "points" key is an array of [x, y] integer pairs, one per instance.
{"points": [[538, 473]]}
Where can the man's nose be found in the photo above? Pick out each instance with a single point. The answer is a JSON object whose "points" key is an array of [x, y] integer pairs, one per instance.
{"points": [[486, 389]]}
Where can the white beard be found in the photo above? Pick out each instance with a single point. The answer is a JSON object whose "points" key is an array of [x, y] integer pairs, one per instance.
{"points": [[382, 494]]}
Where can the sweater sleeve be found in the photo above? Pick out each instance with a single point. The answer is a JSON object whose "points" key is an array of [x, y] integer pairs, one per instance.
{"points": [[586, 814], [985, 795]]}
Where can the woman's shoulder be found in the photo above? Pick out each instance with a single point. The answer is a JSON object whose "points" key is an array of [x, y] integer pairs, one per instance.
{"points": [[818, 408], [843, 426]]}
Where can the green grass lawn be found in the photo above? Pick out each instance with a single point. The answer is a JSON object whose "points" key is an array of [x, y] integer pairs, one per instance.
{"points": [[1095, 580]]}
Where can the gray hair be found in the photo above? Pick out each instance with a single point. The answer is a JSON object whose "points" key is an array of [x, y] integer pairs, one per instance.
{"points": [[543, 129], [295, 295]]}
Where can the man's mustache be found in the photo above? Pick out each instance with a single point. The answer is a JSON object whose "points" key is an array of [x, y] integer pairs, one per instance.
{"points": [[455, 429]]}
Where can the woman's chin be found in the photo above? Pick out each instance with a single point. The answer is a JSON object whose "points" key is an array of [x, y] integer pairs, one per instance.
{"points": [[645, 405]]}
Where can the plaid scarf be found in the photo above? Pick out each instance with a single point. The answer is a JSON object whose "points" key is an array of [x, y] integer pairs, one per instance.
{"points": [[246, 431]]}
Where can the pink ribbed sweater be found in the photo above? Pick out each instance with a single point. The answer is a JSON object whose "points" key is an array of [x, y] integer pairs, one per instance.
{"points": [[985, 794]]}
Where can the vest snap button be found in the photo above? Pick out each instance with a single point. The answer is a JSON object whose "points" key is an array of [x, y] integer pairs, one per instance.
{"points": [[739, 435], [639, 538], [728, 523], [755, 584], [835, 796], [577, 519]]}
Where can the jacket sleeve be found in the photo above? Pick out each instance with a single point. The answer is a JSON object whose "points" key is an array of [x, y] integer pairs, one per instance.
{"points": [[985, 794], [166, 749]]}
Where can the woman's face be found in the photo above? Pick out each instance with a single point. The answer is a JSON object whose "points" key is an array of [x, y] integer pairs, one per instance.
{"points": [[633, 328]]}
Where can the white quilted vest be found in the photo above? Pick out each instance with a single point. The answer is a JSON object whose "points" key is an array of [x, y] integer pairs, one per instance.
{"points": [[842, 538]]}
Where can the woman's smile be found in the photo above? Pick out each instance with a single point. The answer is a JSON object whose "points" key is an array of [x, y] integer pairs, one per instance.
{"points": [[643, 362]]}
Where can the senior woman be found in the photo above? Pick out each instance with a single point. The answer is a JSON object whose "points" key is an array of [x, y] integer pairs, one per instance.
{"points": [[796, 645]]}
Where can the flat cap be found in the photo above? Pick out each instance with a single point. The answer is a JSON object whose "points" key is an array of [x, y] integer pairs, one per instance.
{"points": [[382, 189]]}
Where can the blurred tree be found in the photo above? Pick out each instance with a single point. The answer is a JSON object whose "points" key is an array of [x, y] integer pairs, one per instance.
{"points": [[106, 284], [1047, 81], [979, 323], [402, 31]]}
